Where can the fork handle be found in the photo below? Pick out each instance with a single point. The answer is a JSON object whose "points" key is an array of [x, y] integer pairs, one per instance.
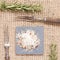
{"points": [[56, 20], [7, 57]]}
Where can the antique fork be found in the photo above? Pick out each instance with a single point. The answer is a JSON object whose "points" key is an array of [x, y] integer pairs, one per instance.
{"points": [[6, 43], [37, 19]]}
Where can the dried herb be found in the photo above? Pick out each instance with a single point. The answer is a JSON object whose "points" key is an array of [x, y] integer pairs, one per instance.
{"points": [[53, 52], [20, 7]]}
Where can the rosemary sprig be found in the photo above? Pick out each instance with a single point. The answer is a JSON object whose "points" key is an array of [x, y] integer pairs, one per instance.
{"points": [[20, 7], [53, 52], [3, 6]]}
